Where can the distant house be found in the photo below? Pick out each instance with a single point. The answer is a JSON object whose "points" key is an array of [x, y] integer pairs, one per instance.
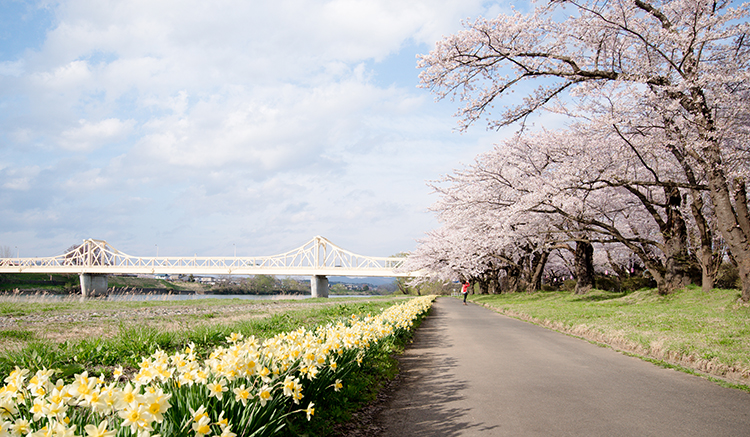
{"points": [[207, 280]]}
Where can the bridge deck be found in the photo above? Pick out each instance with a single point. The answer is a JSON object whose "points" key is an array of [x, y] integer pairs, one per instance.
{"points": [[317, 257]]}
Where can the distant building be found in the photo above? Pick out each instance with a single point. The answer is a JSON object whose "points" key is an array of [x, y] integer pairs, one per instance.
{"points": [[206, 280]]}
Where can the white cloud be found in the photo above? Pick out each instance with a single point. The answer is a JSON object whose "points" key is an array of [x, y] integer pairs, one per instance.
{"points": [[88, 180], [277, 129], [73, 74], [254, 121], [89, 136], [19, 179], [12, 68]]}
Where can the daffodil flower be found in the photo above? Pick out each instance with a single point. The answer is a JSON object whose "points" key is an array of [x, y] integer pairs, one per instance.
{"points": [[241, 394], [264, 395], [202, 427], [310, 411], [99, 431], [216, 389], [337, 385]]}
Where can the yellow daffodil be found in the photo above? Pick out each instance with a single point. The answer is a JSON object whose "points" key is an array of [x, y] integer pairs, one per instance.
{"points": [[216, 389], [241, 394], [198, 414], [202, 427], [99, 431], [20, 427], [157, 403], [137, 417], [264, 395], [235, 337]]}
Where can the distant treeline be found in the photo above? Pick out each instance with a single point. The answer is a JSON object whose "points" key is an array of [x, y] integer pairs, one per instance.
{"points": [[262, 284]]}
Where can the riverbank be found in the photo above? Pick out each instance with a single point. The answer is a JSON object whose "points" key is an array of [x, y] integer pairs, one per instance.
{"points": [[69, 284], [707, 333]]}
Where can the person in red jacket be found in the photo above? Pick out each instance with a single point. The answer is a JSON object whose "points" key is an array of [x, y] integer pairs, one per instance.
{"points": [[465, 290]]}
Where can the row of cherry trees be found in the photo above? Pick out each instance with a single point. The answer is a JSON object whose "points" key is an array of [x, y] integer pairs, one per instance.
{"points": [[653, 164]]}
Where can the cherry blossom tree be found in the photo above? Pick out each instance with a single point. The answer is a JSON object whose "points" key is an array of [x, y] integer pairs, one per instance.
{"points": [[687, 59], [542, 191], [581, 200], [477, 243]]}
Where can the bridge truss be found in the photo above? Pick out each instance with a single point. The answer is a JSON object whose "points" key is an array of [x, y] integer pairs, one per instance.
{"points": [[318, 257]]}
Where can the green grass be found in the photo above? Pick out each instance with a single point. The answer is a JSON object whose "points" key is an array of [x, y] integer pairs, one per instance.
{"points": [[58, 283], [16, 334], [708, 332], [133, 340], [65, 283]]}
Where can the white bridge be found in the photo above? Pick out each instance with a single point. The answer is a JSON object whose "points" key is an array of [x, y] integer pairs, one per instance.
{"points": [[319, 258]]}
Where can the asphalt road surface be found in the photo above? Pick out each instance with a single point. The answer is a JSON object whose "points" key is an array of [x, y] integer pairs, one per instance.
{"points": [[474, 372]]}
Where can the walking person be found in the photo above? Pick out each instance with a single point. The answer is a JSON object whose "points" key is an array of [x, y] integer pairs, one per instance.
{"points": [[465, 290]]}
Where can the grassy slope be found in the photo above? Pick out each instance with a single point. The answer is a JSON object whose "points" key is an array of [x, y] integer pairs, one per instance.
{"points": [[35, 281], [60, 283], [148, 283], [705, 332]]}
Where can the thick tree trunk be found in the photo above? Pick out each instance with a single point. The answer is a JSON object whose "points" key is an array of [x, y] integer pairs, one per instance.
{"points": [[675, 271], [708, 275], [707, 258], [734, 222], [584, 265], [539, 261], [657, 271], [483, 286], [743, 268], [494, 286], [678, 260], [512, 282]]}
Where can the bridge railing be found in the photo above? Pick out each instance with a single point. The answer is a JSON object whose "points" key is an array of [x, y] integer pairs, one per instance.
{"points": [[98, 256]]}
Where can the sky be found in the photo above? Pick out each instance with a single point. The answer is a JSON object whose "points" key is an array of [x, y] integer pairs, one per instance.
{"points": [[212, 128]]}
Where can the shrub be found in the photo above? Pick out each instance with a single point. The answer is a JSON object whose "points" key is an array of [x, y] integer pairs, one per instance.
{"points": [[728, 277]]}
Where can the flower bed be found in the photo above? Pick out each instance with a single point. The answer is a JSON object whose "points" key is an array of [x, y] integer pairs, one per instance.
{"points": [[247, 388]]}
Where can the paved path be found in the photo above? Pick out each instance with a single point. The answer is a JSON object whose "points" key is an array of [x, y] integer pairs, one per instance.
{"points": [[473, 372]]}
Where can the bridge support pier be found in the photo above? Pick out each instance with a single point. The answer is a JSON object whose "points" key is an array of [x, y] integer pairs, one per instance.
{"points": [[93, 284], [319, 286]]}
